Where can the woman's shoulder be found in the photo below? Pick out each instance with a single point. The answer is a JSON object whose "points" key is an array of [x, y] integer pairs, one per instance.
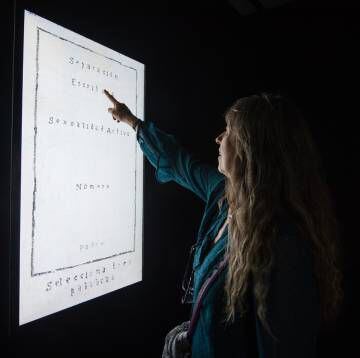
{"points": [[216, 197]]}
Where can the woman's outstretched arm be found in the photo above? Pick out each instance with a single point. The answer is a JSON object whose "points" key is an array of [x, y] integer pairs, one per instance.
{"points": [[171, 161]]}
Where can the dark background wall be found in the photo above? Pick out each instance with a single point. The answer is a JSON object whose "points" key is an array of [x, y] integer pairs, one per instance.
{"points": [[198, 61]]}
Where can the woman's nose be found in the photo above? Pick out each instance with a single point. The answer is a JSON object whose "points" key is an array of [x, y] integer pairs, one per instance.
{"points": [[218, 139]]}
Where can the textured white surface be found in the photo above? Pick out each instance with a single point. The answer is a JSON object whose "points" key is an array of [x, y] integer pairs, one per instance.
{"points": [[81, 179]]}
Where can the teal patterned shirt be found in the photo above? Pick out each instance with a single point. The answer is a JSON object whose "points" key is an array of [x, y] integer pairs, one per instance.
{"points": [[293, 302]]}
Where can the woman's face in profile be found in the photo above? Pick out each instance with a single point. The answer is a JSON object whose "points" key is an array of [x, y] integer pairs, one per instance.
{"points": [[226, 152]]}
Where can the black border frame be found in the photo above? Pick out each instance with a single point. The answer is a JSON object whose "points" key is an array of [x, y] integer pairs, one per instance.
{"points": [[15, 175]]}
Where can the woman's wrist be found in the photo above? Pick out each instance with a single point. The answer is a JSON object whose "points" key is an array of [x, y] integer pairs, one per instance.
{"points": [[134, 122]]}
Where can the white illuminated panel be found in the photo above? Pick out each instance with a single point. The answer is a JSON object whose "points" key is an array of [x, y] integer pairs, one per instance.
{"points": [[81, 172]]}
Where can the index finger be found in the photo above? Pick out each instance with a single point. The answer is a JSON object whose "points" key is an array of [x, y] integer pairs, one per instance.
{"points": [[111, 98]]}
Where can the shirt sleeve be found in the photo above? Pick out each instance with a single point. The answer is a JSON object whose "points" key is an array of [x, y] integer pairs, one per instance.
{"points": [[173, 163], [293, 303]]}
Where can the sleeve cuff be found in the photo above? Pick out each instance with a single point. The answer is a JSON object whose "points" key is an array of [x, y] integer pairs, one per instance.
{"points": [[136, 128]]}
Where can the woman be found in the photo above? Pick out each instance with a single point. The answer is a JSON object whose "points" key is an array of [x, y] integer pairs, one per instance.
{"points": [[269, 214]]}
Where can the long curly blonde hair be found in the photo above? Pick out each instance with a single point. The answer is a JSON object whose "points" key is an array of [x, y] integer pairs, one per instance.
{"points": [[276, 167]]}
